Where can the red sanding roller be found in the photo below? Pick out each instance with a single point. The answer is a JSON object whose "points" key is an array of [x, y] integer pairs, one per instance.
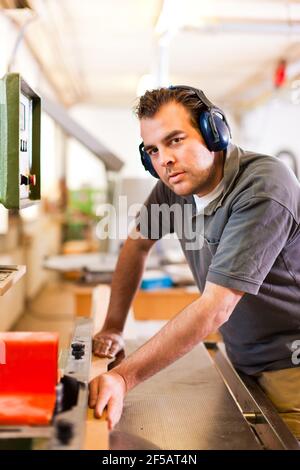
{"points": [[28, 376]]}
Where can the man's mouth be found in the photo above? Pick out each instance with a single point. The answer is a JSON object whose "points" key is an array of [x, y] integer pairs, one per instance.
{"points": [[176, 176]]}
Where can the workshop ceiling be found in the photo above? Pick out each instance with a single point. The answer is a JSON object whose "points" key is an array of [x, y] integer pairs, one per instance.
{"points": [[96, 51]]}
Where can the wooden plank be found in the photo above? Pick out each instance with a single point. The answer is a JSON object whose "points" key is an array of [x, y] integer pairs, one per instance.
{"points": [[96, 434], [13, 277], [96, 431]]}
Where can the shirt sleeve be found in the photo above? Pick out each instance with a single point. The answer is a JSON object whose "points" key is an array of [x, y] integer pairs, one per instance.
{"points": [[155, 219], [254, 236]]}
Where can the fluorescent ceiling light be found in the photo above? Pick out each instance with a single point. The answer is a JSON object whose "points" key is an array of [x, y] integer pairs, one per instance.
{"points": [[178, 14], [172, 18]]}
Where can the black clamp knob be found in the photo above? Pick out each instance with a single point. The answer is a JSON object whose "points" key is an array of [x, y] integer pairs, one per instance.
{"points": [[77, 346], [78, 354], [64, 431], [78, 350]]}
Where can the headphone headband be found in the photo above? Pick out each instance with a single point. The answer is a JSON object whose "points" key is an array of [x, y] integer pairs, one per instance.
{"points": [[198, 92]]}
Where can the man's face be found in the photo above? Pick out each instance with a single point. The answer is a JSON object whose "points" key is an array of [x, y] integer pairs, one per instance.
{"points": [[178, 152]]}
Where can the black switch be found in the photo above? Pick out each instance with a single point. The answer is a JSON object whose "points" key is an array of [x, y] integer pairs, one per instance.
{"points": [[24, 180]]}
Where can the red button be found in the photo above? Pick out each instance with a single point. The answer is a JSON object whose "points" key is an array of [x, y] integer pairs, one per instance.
{"points": [[32, 180]]}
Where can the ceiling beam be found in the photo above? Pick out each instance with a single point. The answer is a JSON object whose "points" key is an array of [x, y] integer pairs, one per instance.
{"points": [[75, 130], [38, 41]]}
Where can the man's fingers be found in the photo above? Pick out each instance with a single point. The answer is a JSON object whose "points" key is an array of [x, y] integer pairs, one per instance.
{"points": [[93, 393], [107, 344], [114, 349], [102, 401], [100, 352], [103, 342], [106, 348], [111, 388], [114, 411], [101, 347]]}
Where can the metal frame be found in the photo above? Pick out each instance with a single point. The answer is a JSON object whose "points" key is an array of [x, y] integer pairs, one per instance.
{"points": [[256, 407]]}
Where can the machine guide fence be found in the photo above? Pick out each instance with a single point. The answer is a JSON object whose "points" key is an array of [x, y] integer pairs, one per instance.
{"points": [[66, 430]]}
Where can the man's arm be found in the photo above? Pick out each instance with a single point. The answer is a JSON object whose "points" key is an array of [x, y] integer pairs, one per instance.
{"points": [[126, 279], [176, 338]]}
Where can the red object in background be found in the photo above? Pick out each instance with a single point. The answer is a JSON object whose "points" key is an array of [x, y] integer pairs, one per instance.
{"points": [[28, 378], [280, 74]]}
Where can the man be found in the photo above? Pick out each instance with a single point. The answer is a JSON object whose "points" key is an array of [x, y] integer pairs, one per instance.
{"points": [[247, 270]]}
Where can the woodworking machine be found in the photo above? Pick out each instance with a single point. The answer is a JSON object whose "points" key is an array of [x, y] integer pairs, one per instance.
{"points": [[38, 411]]}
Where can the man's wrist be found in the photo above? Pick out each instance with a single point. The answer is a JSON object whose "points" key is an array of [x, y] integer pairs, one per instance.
{"points": [[113, 327], [127, 380]]}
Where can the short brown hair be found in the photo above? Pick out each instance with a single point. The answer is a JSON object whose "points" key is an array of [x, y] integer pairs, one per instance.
{"points": [[151, 102]]}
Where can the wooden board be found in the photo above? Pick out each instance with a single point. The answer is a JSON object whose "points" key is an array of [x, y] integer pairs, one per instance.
{"points": [[97, 434], [96, 431], [13, 278]]}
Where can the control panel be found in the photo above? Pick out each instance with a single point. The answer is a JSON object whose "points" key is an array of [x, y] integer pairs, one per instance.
{"points": [[20, 120]]}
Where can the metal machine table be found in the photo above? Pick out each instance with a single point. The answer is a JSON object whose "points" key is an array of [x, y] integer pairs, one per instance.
{"points": [[185, 406]]}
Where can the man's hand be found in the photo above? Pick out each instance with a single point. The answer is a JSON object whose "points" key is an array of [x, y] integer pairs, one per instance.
{"points": [[107, 343], [108, 390]]}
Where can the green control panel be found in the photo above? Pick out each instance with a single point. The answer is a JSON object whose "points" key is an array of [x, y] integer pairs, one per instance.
{"points": [[20, 129]]}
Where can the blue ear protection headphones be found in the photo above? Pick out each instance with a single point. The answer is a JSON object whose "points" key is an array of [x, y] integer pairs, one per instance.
{"points": [[212, 123]]}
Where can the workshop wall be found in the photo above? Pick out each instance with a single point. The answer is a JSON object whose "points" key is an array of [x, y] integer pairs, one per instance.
{"points": [[273, 128], [118, 129]]}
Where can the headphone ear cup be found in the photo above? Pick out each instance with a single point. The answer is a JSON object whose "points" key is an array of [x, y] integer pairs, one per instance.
{"points": [[215, 141], [147, 164]]}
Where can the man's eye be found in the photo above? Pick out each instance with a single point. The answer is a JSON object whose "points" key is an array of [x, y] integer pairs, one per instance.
{"points": [[153, 152], [176, 140]]}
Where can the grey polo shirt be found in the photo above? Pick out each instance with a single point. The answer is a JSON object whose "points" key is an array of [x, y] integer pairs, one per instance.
{"points": [[248, 239]]}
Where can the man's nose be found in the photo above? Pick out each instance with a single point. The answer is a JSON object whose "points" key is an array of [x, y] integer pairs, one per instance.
{"points": [[166, 158]]}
